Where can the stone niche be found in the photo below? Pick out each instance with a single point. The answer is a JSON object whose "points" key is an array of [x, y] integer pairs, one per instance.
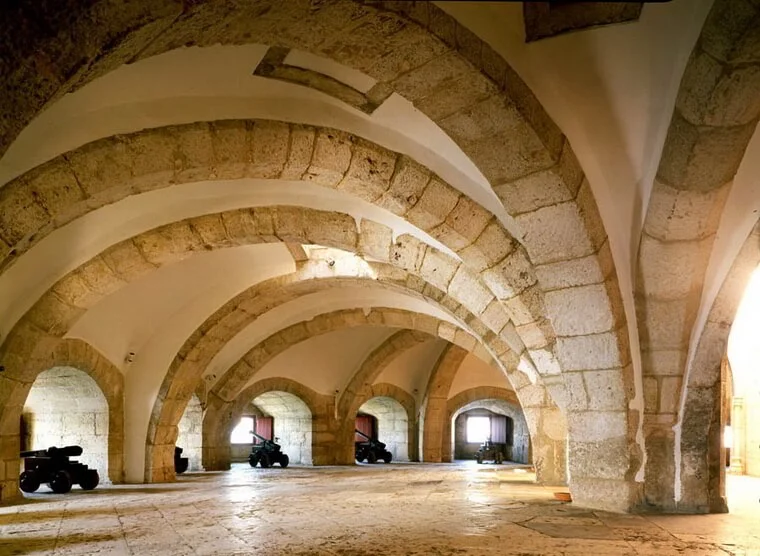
{"points": [[66, 407]]}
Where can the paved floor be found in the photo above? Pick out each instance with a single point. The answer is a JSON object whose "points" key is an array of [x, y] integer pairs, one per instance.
{"points": [[384, 509]]}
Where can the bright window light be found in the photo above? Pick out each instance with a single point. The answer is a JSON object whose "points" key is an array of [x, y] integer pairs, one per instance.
{"points": [[728, 437], [478, 429], [242, 433]]}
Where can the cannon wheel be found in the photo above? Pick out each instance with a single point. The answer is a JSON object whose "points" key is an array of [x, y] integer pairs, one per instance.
{"points": [[29, 481], [371, 457], [387, 457], [284, 460], [479, 458], [264, 460], [253, 460], [61, 482], [90, 479]]}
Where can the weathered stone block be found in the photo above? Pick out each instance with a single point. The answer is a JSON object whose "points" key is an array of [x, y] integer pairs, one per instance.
{"points": [[678, 215], [21, 213], [579, 311], [596, 351], [152, 155], [606, 391], [555, 233], [370, 171], [438, 268], [512, 276], [408, 252], [101, 165], [596, 426], [406, 186], [302, 139], [126, 261], [469, 291], [463, 225], [168, 243], [702, 158], [332, 156], [194, 156], [434, 206], [489, 248], [532, 192], [229, 140], [526, 307], [375, 240]]}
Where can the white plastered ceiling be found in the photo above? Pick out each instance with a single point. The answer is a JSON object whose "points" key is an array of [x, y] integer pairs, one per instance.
{"points": [[306, 362], [474, 372], [306, 308], [411, 370]]}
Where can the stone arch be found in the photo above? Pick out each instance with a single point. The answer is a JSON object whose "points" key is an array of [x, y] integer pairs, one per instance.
{"points": [[200, 348], [79, 355], [700, 480], [434, 405], [217, 426], [361, 387], [400, 437], [481, 103], [52, 316], [707, 139], [228, 387], [520, 449]]}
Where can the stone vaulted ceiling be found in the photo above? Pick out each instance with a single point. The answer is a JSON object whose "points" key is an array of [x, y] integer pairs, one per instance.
{"points": [[195, 194]]}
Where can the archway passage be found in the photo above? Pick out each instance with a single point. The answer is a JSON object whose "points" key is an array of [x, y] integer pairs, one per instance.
{"points": [[190, 437], [392, 425], [491, 419], [66, 407], [291, 424], [500, 402]]}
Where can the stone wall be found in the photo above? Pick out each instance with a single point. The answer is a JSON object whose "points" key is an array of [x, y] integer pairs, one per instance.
{"points": [[392, 425], [190, 438], [65, 407]]}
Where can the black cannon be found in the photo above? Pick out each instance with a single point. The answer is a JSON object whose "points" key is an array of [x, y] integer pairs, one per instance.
{"points": [[267, 453], [180, 463], [52, 466], [490, 451], [371, 450]]}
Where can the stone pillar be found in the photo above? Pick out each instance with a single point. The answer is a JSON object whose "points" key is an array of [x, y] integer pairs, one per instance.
{"points": [[548, 444], [739, 430], [659, 478]]}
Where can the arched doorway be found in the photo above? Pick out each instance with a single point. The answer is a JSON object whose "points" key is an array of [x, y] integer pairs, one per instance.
{"points": [[494, 419], [275, 415], [190, 437], [66, 407], [391, 424]]}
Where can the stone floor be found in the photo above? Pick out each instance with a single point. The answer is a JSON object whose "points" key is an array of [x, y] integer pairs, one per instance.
{"points": [[398, 509]]}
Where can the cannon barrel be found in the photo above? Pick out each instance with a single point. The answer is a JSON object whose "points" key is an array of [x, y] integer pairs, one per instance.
{"points": [[259, 436], [66, 451], [361, 433]]}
